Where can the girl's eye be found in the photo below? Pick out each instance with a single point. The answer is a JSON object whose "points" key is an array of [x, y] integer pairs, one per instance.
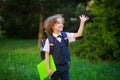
{"points": [[58, 22]]}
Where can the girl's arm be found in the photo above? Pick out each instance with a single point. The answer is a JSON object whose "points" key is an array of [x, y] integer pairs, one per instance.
{"points": [[83, 18], [47, 63]]}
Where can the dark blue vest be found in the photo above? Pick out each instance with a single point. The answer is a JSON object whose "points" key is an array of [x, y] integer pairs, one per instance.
{"points": [[60, 52]]}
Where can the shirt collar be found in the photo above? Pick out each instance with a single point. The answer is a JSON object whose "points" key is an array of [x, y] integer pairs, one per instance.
{"points": [[55, 35]]}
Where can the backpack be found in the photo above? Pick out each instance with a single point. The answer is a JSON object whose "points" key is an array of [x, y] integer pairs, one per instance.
{"points": [[50, 38]]}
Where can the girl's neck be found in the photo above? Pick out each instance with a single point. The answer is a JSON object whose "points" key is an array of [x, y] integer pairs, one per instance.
{"points": [[57, 32]]}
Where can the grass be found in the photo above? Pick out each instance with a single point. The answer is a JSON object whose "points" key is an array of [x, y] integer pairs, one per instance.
{"points": [[19, 59], [85, 70]]}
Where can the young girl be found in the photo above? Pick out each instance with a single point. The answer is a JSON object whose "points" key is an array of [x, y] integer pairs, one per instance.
{"points": [[54, 26]]}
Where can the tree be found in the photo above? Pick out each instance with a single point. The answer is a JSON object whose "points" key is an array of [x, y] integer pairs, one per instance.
{"points": [[20, 18], [102, 35]]}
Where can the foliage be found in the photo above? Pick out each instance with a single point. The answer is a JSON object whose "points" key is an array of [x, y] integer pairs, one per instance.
{"points": [[21, 18], [102, 35]]}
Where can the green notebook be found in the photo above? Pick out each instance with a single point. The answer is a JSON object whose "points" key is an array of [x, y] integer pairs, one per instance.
{"points": [[43, 70]]}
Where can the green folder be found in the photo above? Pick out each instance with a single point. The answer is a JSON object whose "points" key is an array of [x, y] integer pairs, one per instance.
{"points": [[43, 70]]}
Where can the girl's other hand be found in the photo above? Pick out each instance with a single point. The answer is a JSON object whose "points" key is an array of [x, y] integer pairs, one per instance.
{"points": [[50, 73]]}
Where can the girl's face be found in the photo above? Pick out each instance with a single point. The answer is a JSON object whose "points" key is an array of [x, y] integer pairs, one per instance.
{"points": [[58, 26]]}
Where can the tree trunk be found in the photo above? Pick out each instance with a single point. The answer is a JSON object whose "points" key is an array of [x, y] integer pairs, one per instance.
{"points": [[40, 34]]}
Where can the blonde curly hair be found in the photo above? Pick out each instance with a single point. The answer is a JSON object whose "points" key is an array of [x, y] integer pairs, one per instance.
{"points": [[50, 22]]}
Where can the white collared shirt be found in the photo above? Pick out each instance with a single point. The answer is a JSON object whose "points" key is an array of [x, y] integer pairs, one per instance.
{"points": [[70, 39]]}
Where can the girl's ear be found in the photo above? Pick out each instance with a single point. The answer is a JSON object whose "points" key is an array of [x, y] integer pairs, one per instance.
{"points": [[52, 28]]}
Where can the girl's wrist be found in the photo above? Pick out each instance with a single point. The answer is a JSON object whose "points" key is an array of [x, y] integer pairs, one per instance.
{"points": [[82, 21]]}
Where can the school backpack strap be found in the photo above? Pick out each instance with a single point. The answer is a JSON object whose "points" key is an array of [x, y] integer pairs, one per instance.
{"points": [[64, 34], [42, 52], [50, 38]]}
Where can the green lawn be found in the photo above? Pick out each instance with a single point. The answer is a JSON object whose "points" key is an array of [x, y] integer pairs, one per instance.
{"points": [[19, 59]]}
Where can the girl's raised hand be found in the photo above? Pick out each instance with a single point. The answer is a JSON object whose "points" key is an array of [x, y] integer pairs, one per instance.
{"points": [[83, 18]]}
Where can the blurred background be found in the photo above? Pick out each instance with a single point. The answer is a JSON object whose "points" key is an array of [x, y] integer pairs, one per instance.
{"points": [[21, 28]]}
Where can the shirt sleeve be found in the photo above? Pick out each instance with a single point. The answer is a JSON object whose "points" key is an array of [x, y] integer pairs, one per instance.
{"points": [[46, 46], [71, 37]]}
